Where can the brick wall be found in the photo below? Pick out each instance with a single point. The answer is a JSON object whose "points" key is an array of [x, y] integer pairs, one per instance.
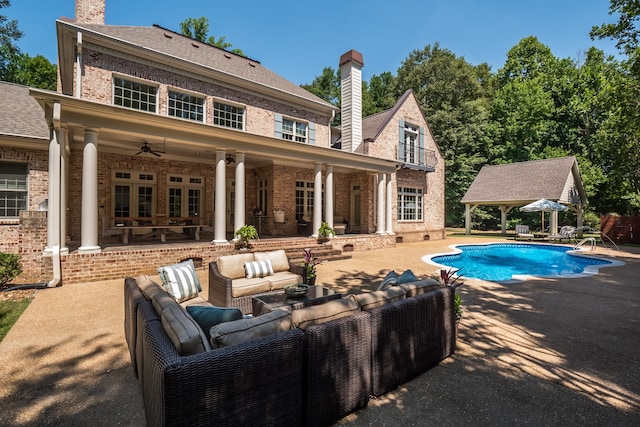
{"points": [[100, 67]]}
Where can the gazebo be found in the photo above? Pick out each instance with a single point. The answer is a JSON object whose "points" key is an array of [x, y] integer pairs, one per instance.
{"points": [[514, 185]]}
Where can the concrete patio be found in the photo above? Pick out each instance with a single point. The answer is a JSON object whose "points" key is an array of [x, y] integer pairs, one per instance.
{"points": [[542, 352]]}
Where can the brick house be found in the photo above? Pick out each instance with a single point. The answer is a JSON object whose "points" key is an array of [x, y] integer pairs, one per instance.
{"points": [[153, 130]]}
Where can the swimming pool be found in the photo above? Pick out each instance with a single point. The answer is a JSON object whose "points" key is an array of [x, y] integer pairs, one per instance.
{"points": [[507, 262]]}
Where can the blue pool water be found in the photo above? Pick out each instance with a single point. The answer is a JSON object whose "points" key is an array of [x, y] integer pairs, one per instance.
{"points": [[500, 262]]}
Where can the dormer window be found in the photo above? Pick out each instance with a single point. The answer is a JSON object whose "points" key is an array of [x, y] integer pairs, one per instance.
{"points": [[134, 95]]}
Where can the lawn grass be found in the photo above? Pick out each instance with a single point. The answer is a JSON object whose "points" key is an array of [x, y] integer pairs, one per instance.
{"points": [[10, 311]]}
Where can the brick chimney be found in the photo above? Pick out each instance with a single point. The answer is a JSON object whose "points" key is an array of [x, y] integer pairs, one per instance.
{"points": [[351, 64], [90, 11]]}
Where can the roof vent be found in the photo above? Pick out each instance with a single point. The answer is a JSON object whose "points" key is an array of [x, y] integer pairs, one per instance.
{"points": [[251, 64], [167, 35], [226, 55], [197, 46]]}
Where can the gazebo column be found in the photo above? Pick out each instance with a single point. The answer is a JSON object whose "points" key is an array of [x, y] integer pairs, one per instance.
{"points": [[467, 218], [89, 218], [504, 210], [239, 207], [220, 224]]}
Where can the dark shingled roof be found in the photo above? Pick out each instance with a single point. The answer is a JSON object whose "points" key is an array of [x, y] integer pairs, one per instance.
{"points": [[23, 117], [167, 42], [519, 182]]}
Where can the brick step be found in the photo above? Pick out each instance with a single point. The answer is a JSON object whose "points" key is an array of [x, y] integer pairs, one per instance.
{"points": [[321, 252]]}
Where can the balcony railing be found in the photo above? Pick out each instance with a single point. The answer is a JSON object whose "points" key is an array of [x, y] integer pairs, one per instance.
{"points": [[417, 158]]}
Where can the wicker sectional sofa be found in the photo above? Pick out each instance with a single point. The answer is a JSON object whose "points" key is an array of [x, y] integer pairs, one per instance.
{"points": [[229, 286], [321, 363]]}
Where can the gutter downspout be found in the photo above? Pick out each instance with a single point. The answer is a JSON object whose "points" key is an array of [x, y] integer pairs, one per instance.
{"points": [[57, 270], [79, 66]]}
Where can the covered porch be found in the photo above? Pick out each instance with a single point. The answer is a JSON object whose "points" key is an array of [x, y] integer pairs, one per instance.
{"points": [[112, 170]]}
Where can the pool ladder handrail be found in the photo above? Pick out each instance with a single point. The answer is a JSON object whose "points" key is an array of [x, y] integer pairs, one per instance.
{"points": [[590, 240]]}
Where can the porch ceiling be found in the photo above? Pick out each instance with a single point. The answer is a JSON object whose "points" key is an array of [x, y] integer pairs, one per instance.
{"points": [[123, 131]]}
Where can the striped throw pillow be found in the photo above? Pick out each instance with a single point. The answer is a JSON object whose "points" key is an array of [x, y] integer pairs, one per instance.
{"points": [[258, 269], [180, 280]]}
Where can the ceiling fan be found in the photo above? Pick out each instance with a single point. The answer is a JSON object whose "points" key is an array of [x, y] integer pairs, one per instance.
{"points": [[144, 148]]}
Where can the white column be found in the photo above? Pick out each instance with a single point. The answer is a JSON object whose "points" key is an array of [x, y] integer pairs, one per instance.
{"points": [[317, 199], [389, 206], [328, 196], [220, 223], [65, 155], [53, 202], [239, 219], [89, 216], [380, 204]]}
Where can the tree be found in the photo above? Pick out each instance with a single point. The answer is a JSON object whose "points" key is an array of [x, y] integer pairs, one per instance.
{"points": [[18, 67], [198, 28], [626, 30], [454, 97]]}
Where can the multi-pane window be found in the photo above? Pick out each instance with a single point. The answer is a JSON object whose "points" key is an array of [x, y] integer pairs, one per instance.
{"points": [[135, 95], [134, 194], [304, 199], [409, 204], [186, 106], [228, 116], [410, 143], [262, 196], [13, 189], [294, 131], [185, 196]]}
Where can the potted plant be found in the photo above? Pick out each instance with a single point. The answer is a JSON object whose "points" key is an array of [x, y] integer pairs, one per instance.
{"points": [[325, 232], [451, 277], [243, 235], [309, 264]]}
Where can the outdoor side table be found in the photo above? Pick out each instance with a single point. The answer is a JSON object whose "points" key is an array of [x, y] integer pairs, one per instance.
{"points": [[316, 295]]}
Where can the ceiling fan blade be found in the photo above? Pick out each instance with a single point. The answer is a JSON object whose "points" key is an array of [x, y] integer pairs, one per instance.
{"points": [[139, 152], [155, 154]]}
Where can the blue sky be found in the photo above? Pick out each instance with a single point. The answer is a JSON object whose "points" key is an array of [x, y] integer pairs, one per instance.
{"points": [[297, 38]]}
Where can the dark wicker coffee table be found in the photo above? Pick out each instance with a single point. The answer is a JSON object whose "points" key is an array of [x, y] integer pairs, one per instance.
{"points": [[317, 295]]}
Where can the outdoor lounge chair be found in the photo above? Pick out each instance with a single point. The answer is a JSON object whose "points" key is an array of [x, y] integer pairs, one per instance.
{"points": [[522, 232], [566, 232]]}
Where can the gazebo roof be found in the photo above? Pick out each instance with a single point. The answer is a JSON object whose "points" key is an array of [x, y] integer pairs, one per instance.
{"points": [[520, 183]]}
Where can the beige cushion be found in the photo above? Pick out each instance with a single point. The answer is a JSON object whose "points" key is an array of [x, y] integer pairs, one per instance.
{"points": [[321, 313], [239, 331], [370, 300], [232, 266], [420, 287], [282, 279], [279, 260], [243, 287], [148, 286], [185, 334]]}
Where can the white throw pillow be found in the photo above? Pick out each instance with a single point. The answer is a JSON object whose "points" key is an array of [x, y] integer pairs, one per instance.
{"points": [[255, 269], [180, 280]]}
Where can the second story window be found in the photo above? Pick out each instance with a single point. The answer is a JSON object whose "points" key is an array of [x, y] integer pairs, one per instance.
{"points": [[411, 143], [186, 106], [228, 116], [135, 95], [294, 131]]}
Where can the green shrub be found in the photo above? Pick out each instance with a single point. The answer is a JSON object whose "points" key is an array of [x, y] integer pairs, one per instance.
{"points": [[9, 267]]}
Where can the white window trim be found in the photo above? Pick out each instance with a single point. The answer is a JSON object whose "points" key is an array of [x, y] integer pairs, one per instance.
{"points": [[134, 80], [189, 93], [231, 104], [419, 194]]}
